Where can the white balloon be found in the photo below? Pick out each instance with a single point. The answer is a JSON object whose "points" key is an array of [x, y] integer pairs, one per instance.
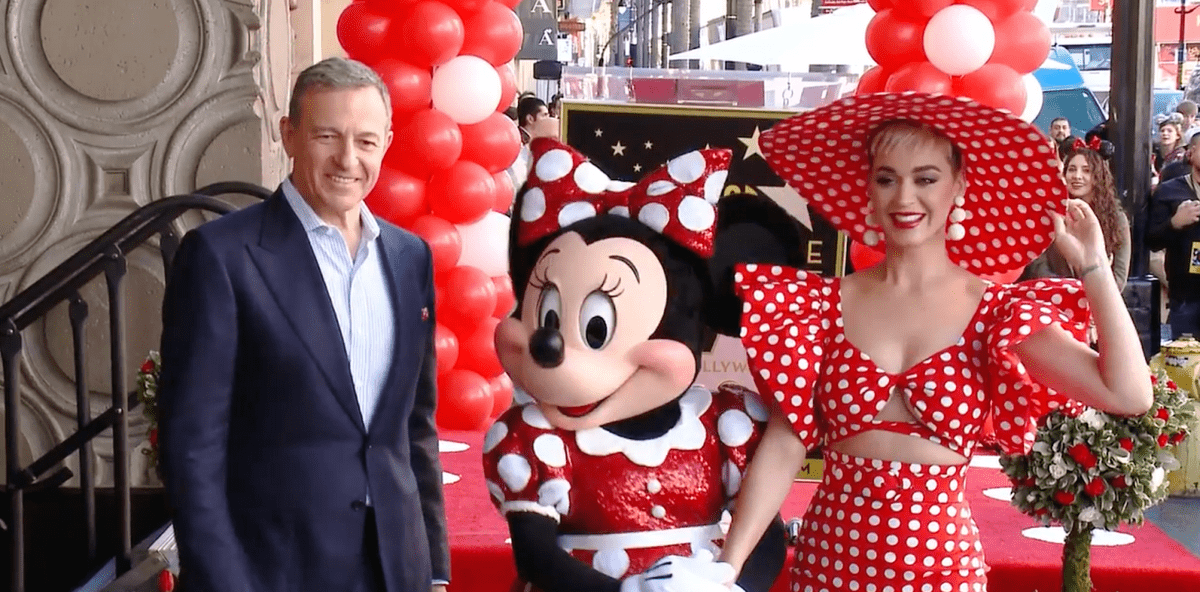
{"points": [[466, 88], [485, 244], [1033, 98], [959, 39]]}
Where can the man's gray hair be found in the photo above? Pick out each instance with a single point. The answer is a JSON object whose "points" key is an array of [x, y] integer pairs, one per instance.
{"points": [[337, 73]]}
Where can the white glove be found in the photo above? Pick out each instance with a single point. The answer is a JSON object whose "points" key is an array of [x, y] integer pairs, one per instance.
{"points": [[674, 573]]}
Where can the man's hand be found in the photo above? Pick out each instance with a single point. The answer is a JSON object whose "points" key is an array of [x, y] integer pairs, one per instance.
{"points": [[439, 588], [1186, 214]]}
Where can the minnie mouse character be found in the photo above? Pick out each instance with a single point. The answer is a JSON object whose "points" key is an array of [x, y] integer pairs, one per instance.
{"points": [[615, 472]]}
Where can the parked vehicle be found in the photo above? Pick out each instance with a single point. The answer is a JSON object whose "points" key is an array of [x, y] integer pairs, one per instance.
{"points": [[1064, 94]]}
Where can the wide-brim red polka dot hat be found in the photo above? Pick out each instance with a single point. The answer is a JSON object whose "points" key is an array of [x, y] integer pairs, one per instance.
{"points": [[1011, 172]]}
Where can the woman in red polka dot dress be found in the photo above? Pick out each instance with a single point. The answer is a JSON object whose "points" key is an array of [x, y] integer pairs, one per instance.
{"points": [[894, 369]]}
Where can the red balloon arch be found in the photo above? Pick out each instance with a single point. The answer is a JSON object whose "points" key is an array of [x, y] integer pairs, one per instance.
{"points": [[447, 68]]}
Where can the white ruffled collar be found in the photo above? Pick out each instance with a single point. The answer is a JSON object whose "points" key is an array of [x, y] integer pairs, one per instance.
{"points": [[687, 434]]}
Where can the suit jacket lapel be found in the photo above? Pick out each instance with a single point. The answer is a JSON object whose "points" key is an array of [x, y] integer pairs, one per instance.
{"points": [[285, 260], [392, 257]]}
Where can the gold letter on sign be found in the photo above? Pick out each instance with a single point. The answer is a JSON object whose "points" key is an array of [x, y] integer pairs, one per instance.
{"points": [[814, 252]]}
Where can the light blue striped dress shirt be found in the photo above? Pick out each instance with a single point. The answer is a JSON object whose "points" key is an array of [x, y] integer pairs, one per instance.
{"points": [[361, 300]]}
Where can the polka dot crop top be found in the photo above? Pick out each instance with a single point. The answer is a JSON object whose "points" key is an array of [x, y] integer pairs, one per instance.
{"points": [[830, 390]]}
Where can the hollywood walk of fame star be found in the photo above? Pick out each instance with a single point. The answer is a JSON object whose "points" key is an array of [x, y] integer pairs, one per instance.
{"points": [[751, 144], [789, 200]]}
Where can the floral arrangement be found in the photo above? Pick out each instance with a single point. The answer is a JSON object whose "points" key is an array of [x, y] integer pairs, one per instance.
{"points": [[1101, 469], [147, 392], [1094, 470]]}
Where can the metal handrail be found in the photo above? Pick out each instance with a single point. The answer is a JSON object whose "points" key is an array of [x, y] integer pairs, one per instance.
{"points": [[105, 255]]}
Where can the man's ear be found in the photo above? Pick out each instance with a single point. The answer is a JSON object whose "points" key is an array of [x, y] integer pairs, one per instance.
{"points": [[750, 229], [286, 134]]}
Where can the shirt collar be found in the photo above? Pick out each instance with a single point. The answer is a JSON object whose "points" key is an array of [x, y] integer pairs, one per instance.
{"points": [[311, 221]]}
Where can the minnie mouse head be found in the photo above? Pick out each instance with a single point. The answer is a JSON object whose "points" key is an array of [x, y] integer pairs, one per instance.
{"points": [[611, 280]]}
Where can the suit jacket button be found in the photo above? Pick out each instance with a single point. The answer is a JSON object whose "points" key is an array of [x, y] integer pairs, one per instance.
{"points": [[358, 505]]}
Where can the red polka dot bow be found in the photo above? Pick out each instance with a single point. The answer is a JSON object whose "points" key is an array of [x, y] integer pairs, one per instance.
{"points": [[678, 200]]}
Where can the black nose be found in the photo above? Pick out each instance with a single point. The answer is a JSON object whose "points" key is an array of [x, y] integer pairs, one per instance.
{"points": [[546, 347]]}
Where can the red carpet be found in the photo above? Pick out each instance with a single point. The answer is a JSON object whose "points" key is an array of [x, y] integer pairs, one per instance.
{"points": [[1153, 562]]}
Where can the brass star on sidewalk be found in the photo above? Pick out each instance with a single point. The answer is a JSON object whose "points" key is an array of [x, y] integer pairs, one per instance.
{"points": [[751, 144]]}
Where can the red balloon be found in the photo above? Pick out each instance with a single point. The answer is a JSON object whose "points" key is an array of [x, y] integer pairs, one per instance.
{"points": [[872, 81], [407, 84], [1022, 43], [477, 351], [510, 3], [492, 143], [442, 238], [502, 393], [862, 256], [462, 193], [397, 197], [921, 9], [878, 5], [465, 7], [445, 343], [432, 33], [494, 34], [919, 76], [894, 40], [508, 86], [998, 10], [363, 30], [995, 85], [505, 193], [464, 401], [390, 6], [429, 142], [467, 297], [506, 301]]}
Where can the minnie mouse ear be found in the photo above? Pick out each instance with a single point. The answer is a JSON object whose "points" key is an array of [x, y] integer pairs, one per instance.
{"points": [[751, 228]]}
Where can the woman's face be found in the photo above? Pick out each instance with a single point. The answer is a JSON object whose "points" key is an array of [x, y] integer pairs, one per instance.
{"points": [[1079, 178], [1168, 135], [911, 190]]}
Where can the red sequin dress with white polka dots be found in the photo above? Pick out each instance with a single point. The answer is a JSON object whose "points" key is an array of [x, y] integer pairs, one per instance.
{"points": [[886, 526], [623, 504]]}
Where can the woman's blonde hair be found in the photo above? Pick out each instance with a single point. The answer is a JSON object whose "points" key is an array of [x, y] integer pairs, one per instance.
{"points": [[911, 134]]}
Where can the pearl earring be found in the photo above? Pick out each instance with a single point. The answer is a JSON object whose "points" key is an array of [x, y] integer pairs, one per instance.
{"points": [[955, 230], [870, 238]]}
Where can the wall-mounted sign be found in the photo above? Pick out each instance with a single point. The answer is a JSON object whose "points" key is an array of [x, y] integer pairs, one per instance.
{"points": [[539, 19]]}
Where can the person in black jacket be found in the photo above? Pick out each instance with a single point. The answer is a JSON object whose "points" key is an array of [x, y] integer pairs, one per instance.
{"points": [[1174, 211]]}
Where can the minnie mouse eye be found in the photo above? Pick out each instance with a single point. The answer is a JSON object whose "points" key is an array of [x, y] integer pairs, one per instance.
{"points": [[550, 308], [597, 319]]}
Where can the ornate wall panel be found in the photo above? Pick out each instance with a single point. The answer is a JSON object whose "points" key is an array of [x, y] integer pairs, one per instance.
{"points": [[105, 106]]}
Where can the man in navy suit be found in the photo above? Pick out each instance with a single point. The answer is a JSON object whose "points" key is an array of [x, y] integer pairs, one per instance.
{"points": [[298, 380]]}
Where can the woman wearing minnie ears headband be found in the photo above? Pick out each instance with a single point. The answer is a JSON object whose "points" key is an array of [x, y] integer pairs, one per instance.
{"points": [[894, 369], [1089, 179]]}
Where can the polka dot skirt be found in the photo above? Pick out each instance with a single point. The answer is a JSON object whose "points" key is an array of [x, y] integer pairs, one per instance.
{"points": [[886, 526]]}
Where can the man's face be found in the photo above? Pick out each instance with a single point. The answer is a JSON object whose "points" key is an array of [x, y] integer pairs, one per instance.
{"points": [[337, 147], [1193, 154], [1060, 130]]}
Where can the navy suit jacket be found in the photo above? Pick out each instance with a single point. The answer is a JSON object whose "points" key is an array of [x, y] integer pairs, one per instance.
{"points": [[265, 455]]}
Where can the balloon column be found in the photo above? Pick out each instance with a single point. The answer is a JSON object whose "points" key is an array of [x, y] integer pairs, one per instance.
{"points": [[447, 67], [982, 49]]}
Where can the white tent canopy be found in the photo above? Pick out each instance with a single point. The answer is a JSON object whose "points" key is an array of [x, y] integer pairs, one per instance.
{"points": [[835, 38], [838, 38]]}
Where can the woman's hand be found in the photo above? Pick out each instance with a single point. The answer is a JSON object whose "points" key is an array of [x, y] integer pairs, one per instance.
{"points": [[1078, 237]]}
